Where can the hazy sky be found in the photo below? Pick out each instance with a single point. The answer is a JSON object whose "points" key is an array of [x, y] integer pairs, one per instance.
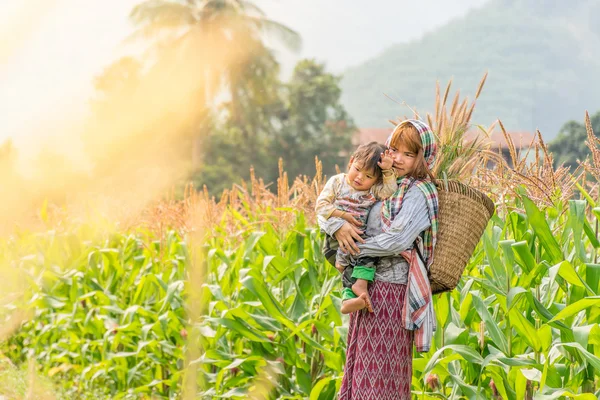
{"points": [[54, 48], [52, 65], [347, 32]]}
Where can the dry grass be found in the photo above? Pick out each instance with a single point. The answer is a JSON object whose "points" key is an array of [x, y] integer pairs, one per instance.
{"points": [[245, 207], [469, 159], [251, 205], [459, 156], [532, 171], [592, 166]]}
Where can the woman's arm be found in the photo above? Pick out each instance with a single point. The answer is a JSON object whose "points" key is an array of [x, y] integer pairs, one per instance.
{"points": [[347, 236], [412, 219], [344, 232]]}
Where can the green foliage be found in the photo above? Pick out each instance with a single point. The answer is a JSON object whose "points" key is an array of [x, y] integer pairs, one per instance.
{"points": [[109, 313], [534, 54], [274, 303], [517, 323], [238, 113], [570, 144], [317, 124], [296, 121], [16, 383]]}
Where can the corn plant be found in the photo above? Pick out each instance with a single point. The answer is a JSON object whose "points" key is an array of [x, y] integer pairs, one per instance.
{"points": [[104, 314], [524, 320], [115, 313], [273, 304], [110, 313]]}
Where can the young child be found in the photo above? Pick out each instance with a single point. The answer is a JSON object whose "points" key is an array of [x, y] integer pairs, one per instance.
{"points": [[350, 196]]}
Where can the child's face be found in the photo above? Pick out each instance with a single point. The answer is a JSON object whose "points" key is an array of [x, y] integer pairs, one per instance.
{"points": [[360, 178], [404, 160]]}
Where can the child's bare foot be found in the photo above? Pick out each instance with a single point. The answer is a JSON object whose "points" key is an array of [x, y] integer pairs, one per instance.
{"points": [[356, 304], [339, 267], [360, 288]]}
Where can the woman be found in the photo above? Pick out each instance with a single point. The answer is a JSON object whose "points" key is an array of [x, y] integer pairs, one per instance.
{"points": [[379, 352]]}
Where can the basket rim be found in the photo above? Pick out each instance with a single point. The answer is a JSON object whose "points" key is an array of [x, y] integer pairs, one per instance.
{"points": [[454, 186]]}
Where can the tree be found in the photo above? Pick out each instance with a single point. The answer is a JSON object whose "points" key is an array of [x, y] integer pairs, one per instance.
{"points": [[225, 32], [570, 144], [317, 123], [226, 37], [207, 67], [301, 119]]}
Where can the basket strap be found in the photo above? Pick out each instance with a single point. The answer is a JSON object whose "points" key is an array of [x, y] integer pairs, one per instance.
{"points": [[416, 247]]}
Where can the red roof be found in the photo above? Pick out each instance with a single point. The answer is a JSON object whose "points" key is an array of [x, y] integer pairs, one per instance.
{"points": [[521, 139]]}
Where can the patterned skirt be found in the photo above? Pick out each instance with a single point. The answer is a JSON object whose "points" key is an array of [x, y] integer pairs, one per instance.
{"points": [[379, 353]]}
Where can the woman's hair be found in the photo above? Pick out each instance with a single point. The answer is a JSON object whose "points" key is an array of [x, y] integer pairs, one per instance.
{"points": [[369, 155], [408, 135]]}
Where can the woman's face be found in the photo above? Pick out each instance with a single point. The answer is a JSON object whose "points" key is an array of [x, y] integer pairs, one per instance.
{"points": [[404, 160]]}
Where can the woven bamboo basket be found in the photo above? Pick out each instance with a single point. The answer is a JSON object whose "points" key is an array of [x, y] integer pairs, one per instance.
{"points": [[463, 215]]}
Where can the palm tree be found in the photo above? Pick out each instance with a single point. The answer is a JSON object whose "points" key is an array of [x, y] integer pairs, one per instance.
{"points": [[228, 35], [223, 43]]}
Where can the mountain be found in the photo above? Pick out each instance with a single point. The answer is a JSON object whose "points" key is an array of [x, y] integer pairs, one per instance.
{"points": [[541, 56], [342, 33]]}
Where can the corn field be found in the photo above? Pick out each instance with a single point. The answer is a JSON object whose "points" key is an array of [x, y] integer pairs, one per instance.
{"points": [[107, 312], [232, 298]]}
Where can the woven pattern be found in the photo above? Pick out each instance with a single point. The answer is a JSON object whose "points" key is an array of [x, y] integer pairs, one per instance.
{"points": [[379, 353], [463, 215]]}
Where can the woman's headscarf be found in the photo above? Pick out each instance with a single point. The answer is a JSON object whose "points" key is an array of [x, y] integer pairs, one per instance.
{"points": [[430, 147], [393, 204]]}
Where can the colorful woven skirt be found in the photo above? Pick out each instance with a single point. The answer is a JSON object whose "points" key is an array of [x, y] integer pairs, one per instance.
{"points": [[379, 352]]}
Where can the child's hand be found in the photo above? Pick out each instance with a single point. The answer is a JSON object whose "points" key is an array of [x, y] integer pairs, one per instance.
{"points": [[348, 216], [386, 161]]}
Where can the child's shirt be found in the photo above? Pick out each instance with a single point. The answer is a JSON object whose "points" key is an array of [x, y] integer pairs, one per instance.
{"points": [[339, 195]]}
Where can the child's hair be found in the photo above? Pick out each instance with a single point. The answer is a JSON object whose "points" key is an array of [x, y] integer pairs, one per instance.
{"points": [[409, 136], [369, 154]]}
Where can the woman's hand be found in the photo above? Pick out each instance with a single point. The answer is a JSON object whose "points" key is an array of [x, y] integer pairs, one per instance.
{"points": [[347, 236], [350, 216]]}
